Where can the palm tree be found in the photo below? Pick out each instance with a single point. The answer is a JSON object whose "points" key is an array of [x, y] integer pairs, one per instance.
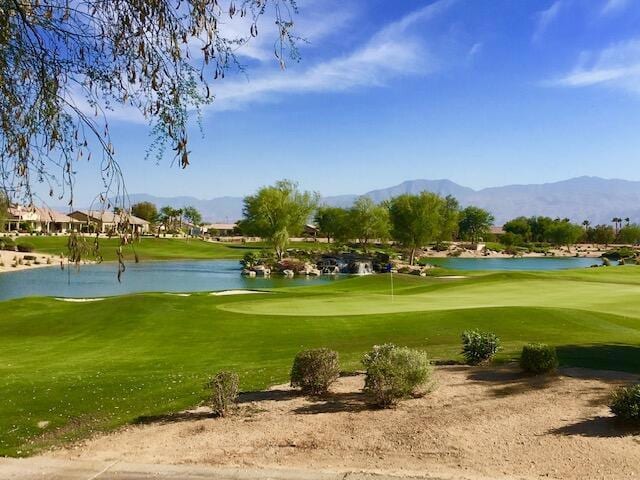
{"points": [[586, 224], [627, 221], [617, 221]]}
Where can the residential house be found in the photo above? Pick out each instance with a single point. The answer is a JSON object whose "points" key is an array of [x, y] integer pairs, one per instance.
{"points": [[104, 222], [39, 219]]}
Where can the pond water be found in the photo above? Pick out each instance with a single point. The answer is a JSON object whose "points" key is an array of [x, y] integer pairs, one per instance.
{"points": [[193, 276], [535, 263], [169, 276]]}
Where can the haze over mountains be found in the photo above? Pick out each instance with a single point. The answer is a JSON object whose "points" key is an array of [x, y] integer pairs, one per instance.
{"points": [[593, 198]]}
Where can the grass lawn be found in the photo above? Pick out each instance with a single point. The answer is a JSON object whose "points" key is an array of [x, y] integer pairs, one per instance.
{"points": [[151, 248], [94, 366]]}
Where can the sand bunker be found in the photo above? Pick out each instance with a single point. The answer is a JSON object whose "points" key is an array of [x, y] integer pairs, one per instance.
{"points": [[235, 292], [78, 300], [477, 423]]}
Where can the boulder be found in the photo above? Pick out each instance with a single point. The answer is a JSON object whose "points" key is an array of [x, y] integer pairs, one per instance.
{"points": [[262, 271], [288, 273]]}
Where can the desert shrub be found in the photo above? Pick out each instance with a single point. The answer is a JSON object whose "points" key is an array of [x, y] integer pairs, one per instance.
{"points": [[224, 392], [249, 259], [606, 262], [394, 373], [538, 358], [294, 264], [454, 253], [26, 247], [313, 371], [7, 243], [625, 403], [478, 347]]}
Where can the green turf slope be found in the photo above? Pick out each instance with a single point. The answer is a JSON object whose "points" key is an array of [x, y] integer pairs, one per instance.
{"points": [[94, 366]]}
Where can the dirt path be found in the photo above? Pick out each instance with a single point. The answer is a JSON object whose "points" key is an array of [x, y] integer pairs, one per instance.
{"points": [[477, 423]]}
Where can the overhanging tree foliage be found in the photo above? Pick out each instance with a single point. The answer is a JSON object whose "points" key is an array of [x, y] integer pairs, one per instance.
{"points": [[4, 210], [63, 63]]}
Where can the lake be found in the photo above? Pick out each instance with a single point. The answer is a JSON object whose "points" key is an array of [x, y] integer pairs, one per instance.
{"points": [[193, 276], [167, 276], [535, 263]]}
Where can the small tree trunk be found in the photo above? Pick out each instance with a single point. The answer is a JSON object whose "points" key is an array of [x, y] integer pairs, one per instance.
{"points": [[413, 256]]}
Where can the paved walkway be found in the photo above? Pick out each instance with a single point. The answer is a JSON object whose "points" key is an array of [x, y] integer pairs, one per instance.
{"points": [[53, 469]]}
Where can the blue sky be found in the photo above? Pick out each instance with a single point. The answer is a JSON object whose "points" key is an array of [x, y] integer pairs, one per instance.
{"points": [[482, 92]]}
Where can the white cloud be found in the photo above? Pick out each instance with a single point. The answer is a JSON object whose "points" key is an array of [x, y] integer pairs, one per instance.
{"points": [[617, 66], [391, 52], [546, 17], [475, 49], [614, 6]]}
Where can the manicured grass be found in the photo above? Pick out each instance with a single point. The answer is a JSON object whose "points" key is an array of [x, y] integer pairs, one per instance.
{"points": [[149, 248], [94, 366]]}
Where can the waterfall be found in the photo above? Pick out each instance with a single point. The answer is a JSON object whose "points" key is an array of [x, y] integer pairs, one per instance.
{"points": [[363, 268]]}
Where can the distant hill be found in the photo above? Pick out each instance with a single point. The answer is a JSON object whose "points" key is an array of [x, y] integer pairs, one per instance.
{"points": [[592, 198]]}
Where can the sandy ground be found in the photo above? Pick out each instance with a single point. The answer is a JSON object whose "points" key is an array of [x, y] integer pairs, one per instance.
{"points": [[476, 423], [582, 250], [7, 260]]}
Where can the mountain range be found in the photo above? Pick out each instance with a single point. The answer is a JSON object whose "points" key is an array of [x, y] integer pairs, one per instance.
{"points": [[595, 199]]}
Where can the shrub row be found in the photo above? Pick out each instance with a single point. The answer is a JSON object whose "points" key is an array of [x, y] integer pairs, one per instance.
{"points": [[394, 373]]}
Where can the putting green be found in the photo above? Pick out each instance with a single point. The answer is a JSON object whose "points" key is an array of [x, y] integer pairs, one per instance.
{"points": [[479, 292]]}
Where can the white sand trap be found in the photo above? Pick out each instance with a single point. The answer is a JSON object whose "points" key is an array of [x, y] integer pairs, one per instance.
{"points": [[452, 276], [178, 294], [234, 292], [79, 300]]}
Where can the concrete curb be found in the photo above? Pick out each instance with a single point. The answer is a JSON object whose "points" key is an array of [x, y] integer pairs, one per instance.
{"points": [[54, 469]]}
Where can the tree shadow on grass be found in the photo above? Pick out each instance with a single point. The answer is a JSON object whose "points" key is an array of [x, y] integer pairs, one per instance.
{"points": [[509, 380], [604, 427], [616, 357]]}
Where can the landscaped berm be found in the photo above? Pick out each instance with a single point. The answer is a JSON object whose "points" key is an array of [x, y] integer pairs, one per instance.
{"points": [[125, 379]]}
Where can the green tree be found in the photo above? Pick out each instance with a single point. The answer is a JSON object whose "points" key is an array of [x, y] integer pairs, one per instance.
{"points": [[416, 220], [278, 212], [474, 223], [368, 221], [169, 217], [333, 223], [145, 210], [630, 234], [519, 226], [539, 226], [449, 217], [601, 234], [510, 239], [562, 232], [192, 215], [57, 55]]}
